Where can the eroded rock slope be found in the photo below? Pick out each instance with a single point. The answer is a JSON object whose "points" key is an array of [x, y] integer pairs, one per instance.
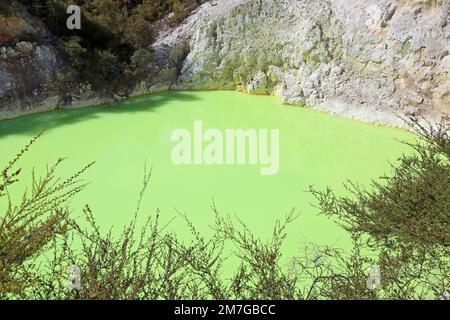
{"points": [[365, 59]]}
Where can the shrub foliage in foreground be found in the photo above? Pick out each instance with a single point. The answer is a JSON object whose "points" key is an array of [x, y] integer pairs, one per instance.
{"points": [[402, 221], [404, 217]]}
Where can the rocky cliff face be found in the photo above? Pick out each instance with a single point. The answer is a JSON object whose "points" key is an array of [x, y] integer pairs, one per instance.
{"points": [[31, 68], [27, 69], [364, 59]]}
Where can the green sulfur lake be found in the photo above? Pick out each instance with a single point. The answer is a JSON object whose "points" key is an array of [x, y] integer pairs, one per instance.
{"points": [[315, 149]]}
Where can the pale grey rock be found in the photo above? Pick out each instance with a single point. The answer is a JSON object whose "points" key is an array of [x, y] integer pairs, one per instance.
{"points": [[5, 80], [364, 59], [29, 72], [11, 53], [24, 47], [47, 62]]}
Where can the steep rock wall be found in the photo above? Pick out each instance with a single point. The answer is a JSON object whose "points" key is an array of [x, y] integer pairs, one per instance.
{"points": [[364, 59]]}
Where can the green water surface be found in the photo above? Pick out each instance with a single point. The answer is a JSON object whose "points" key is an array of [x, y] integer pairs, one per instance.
{"points": [[315, 149]]}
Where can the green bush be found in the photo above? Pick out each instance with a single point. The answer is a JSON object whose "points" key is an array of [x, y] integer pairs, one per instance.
{"points": [[402, 223], [405, 216]]}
